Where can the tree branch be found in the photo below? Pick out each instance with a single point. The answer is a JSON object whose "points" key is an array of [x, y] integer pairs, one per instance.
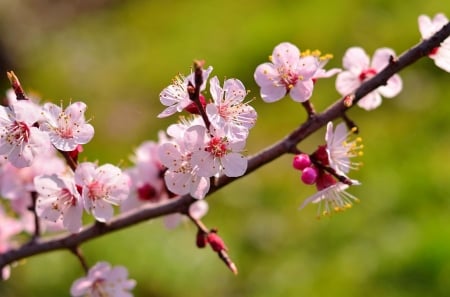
{"points": [[256, 161]]}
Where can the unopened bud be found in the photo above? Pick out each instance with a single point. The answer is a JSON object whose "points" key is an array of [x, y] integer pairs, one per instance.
{"points": [[309, 175], [215, 241], [192, 107], [200, 239], [301, 161]]}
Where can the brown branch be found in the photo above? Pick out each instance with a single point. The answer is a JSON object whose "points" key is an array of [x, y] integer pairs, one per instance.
{"points": [[265, 156]]}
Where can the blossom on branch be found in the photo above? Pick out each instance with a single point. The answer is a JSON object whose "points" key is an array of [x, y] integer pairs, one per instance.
{"points": [[228, 112], [67, 128], [20, 140], [101, 188], [332, 197], [176, 96], [427, 27], [103, 280], [340, 148], [58, 199], [359, 68], [288, 73]]}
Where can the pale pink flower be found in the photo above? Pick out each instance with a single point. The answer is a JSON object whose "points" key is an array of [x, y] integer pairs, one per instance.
{"points": [[58, 199], [359, 68], [20, 141], [333, 198], [66, 128], [427, 27], [176, 96], [228, 112], [213, 153], [102, 281], [286, 74], [181, 176], [341, 148], [16, 184], [102, 187]]}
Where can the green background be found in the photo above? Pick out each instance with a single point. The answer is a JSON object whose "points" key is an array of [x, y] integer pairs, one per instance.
{"points": [[118, 55]]}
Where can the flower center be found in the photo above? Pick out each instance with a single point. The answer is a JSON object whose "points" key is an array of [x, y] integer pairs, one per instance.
{"points": [[67, 197], [366, 74], [96, 190], [65, 126], [18, 132], [217, 146]]}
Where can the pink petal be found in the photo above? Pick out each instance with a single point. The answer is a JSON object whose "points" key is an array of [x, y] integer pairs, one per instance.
{"points": [[234, 164], [302, 91], [355, 60], [286, 54], [370, 101], [347, 82], [393, 87]]}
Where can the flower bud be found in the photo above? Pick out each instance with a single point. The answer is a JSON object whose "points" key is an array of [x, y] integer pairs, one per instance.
{"points": [[215, 241], [301, 161], [309, 175]]}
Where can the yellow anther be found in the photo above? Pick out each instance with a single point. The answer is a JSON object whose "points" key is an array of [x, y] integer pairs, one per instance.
{"points": [[358, 139], [326, 57], [305, 53], [290, 86], [316, 53], [354, 129], [270, 58], [360, 154]]}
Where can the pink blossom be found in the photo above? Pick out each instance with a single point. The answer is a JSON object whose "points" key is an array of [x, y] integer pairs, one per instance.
{"points": [[213, 153], [103, 280], [228, 112], [287, 73], [16, 184], [67, 128], [359, 69], [176, 96], [20, 141], [331, 198], [58, 199], [341, 148], [102, 187], [428, 27], [181, 176]]}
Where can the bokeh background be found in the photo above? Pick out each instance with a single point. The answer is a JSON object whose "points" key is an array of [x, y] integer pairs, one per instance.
{"points": [[118, 55]]}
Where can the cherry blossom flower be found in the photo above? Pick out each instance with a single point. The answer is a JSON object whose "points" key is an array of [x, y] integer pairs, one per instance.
{"points": [[58, 199], [213, 153], [103, 280], [67, 128], [286, 74], [146, 183], [227, 111], [16, 184], [331, 196], [20, 141], [428, 27], [176, 96], [359, 69], [181, 176], [101, 187], [340, 148]]}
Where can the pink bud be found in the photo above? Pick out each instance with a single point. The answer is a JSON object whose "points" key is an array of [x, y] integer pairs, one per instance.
{"points": [[215, 241], [309, 175], [200, 239], [301, 161], [192, 107]]}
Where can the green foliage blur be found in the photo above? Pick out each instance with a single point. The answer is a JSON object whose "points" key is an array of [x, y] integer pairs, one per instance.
{"points": [[118, 55]]}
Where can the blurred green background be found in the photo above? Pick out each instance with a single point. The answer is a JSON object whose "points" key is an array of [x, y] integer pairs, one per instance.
{"points": [[118, 55]]}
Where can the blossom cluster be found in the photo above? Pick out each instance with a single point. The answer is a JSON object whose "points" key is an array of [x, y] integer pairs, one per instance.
{"points": [[201, 147], [49, 193]]}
